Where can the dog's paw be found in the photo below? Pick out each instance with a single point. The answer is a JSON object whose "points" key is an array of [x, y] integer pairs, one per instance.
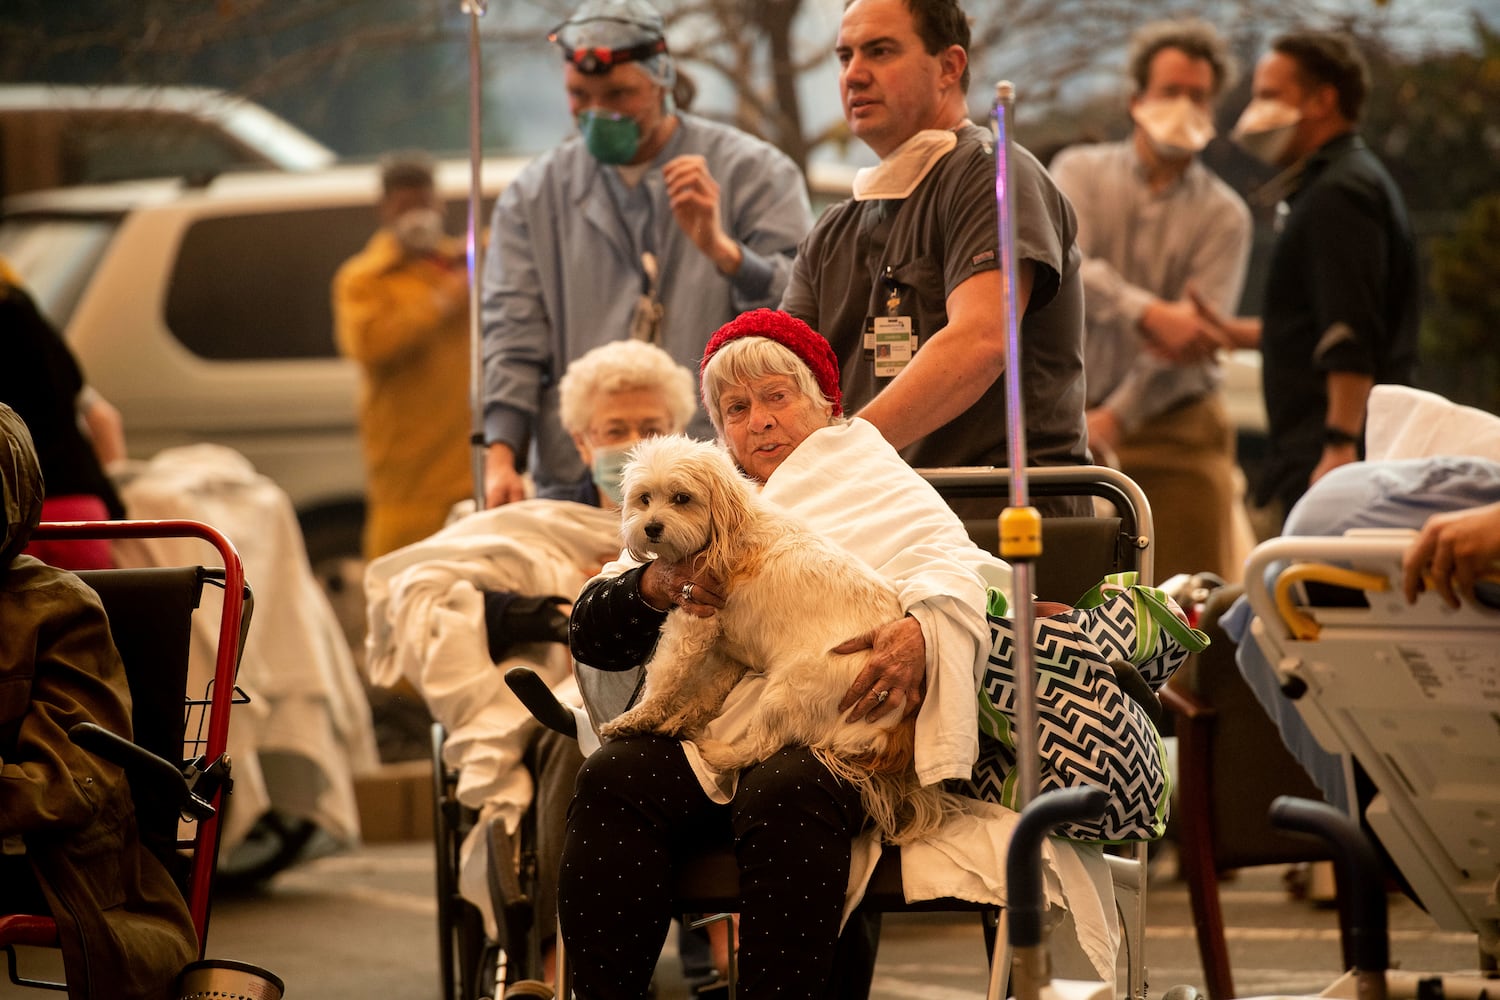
{"points": [[632, 723], [679, 725], [723, 756]]}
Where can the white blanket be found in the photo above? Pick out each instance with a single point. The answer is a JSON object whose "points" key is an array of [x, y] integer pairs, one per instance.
{"points": [[306, 700], [426, 615], [1403, 422], [426, 625]]}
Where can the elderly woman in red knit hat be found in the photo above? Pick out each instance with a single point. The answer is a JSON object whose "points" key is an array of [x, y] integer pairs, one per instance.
{"points": [[771, 386]]}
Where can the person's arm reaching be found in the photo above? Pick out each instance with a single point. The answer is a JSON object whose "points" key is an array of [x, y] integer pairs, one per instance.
{"points": [[517, 350], [956, 367]]}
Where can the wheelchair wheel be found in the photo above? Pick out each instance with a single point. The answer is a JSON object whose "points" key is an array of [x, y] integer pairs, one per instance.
{"points": [[472, 966], [462, 947]]}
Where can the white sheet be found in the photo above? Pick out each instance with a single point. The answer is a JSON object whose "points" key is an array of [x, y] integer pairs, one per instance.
{"points": [[1403, 422], [306, 699], [426, 614]]}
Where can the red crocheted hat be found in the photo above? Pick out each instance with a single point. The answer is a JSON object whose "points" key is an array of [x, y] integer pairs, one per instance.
{"points": [[791, 333]]}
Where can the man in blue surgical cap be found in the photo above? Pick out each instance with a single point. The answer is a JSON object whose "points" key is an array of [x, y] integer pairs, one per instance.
{"points": [[649, 223]]}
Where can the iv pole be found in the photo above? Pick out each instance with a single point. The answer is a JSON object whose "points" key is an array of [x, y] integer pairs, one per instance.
{"points": [[1020, 523], [475, 9]]}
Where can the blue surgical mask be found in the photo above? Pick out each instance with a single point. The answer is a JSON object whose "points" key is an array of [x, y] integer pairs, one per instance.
{"points": [[609, 472], [611, 138]]}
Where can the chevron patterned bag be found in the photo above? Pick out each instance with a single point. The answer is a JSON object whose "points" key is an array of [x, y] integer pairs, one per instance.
{"points": [[1091, 733], [1129, 621]]}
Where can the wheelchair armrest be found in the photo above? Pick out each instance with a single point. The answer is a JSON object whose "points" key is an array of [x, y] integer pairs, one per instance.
{"points": [[1185, 704], [539, 700], [143, 767]]}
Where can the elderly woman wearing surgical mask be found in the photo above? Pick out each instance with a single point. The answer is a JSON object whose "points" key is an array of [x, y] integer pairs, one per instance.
{"points": [[614, 396], [526, 561], [771, 387]]}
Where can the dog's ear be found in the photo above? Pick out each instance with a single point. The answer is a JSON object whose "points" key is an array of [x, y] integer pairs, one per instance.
{"points": [[731, 508], [632, 481]]}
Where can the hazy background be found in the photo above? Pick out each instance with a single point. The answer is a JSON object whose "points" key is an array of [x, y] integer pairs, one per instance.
{"points": [[367, 76]]}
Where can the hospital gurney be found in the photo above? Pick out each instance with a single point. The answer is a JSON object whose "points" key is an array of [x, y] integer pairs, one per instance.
{"points": [[1409, 692]]}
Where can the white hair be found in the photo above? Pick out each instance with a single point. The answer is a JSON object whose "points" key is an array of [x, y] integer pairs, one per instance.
{"points": [[750, 358], [624, 366]]}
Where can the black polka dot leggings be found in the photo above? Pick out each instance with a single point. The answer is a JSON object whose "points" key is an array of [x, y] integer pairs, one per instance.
{"points": [[638, 804]]}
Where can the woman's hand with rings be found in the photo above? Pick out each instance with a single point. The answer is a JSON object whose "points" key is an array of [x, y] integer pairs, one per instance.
{"points": [[896, 671], [681, 585]]}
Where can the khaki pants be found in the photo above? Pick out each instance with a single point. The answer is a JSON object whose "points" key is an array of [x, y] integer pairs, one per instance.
{"points": [[1184, 460]]}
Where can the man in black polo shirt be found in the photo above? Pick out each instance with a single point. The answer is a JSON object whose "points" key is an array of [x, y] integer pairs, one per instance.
{"points": [[1341, 297]]}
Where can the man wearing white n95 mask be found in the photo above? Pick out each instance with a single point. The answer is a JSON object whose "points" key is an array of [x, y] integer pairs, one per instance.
{"points": [[1155, 225], [1340, 310], [650, 223]]}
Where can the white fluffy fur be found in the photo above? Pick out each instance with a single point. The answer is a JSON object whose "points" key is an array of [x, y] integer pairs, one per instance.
{"points": [[790, 596]]}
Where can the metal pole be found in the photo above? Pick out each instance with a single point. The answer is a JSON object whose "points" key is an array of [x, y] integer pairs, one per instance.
{"points": [[1020, 523], [474, 251]]}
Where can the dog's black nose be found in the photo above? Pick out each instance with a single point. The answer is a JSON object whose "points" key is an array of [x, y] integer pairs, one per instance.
{"points": [[653, 531]]}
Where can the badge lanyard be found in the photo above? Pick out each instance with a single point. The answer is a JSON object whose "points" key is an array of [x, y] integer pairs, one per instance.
{"points": [[890, 340]]}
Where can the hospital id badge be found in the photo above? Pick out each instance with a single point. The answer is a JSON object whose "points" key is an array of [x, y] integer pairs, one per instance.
{"points": [[893, 343]]}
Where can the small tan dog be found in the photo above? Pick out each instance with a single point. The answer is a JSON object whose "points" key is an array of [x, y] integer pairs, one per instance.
{"points": [[790, 597]]}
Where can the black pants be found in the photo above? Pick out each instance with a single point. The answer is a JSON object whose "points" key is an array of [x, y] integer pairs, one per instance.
{"points": [[638, 805]]}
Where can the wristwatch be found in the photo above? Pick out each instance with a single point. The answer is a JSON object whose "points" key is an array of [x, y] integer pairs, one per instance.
{"points": [[1338, 436]]}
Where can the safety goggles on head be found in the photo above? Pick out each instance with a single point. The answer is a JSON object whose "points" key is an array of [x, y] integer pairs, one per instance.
{"points": [[596, 60]]}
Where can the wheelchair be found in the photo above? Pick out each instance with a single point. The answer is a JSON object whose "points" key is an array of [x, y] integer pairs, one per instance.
{"points": [[178, 767], [472, 965], [1079, 551]]}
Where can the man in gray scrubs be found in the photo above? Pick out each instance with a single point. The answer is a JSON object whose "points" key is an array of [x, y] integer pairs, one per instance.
{"points": [[904, 279]]}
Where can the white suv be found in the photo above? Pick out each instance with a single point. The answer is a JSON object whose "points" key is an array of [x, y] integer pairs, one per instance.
{"points": [[204, 314], [53, 135]]}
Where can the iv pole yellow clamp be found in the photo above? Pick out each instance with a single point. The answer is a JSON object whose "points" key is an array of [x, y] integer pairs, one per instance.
{"points": [[1020, 533]]}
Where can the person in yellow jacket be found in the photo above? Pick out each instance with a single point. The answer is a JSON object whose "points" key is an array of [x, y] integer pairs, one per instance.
{"points": [[400, 309]]}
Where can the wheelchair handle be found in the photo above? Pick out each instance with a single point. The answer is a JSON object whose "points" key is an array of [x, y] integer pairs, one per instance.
{"points": [[539, 700], [1357, 871], [1023, 870]]}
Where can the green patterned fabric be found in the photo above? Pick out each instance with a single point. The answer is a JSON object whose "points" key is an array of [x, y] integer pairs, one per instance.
{"points": [[1090, 731]]}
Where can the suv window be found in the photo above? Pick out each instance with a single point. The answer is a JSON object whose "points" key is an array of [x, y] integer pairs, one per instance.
{"points": [[258, 287], [56, 257]]}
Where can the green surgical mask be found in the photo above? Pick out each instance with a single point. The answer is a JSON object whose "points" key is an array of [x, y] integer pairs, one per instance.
{"points": [[611, 138], [609, 472]]}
